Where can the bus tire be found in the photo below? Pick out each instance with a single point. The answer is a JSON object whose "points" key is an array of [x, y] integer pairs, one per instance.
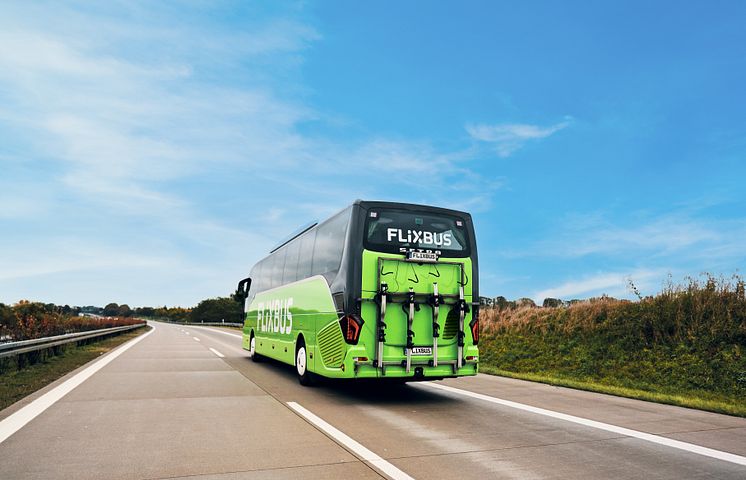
{"points": [[255, 357], [305, 377]]}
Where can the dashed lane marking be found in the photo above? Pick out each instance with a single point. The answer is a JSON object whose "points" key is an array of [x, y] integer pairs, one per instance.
{"points": [[358, 449], [217, 353]]}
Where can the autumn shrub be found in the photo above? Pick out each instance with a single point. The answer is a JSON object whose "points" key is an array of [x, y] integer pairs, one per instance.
{"points": [[27, 320]]}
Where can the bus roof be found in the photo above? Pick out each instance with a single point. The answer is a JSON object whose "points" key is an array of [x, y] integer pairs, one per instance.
{"points": [[368, 204]]}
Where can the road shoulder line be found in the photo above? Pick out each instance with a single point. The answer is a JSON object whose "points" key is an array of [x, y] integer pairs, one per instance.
{"points": [[669, 442], [19, 419]]}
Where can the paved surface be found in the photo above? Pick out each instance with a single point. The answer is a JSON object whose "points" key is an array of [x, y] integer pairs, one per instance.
{"points": [[169, 407]]}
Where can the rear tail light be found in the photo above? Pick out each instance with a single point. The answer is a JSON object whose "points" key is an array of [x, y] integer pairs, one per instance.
{"points": [[474, 326], [351, 325]]}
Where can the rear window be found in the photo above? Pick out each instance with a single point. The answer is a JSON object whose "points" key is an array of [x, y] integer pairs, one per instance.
{"points": [[396, 231]]}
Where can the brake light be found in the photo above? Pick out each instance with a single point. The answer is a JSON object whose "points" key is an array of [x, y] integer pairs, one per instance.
{"points": [[351, 325], [474, 326]]}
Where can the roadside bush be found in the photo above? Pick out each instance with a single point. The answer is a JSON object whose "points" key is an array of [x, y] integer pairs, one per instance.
{"points": [[26, 320], [690, 337]]}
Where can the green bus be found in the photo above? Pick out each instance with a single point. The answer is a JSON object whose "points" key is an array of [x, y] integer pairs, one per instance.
{"points": [[379, 290]]}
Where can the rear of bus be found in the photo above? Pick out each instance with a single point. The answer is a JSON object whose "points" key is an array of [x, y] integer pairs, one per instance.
{"points": [[413, 281]]}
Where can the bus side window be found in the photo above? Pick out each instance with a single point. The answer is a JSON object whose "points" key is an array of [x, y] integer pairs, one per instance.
{"points": [[278, 266], [305, 259], [291, 262], [330, 238]]}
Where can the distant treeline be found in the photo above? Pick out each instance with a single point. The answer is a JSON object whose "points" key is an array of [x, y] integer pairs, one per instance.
{"points": [[210, 310], [689, 339], [503, 303], [175, 314], [26, 320]]}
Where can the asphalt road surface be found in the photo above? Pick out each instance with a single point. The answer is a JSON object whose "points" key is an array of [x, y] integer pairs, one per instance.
{"points": [[186, 402]]}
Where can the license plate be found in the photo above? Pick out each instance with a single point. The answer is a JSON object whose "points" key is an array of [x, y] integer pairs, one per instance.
{"points": [[422, 256], [422, 351]]}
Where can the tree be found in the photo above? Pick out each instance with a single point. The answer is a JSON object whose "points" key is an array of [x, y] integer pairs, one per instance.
{"points": [[124, 311], [111, 310], [552, 303], [500, 302], [525, 302], [7, 319], [145, 311], [217, 310]]}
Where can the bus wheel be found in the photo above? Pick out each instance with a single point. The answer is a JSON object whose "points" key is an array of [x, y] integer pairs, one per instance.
{"points": [[255, 357], [305, 377]]}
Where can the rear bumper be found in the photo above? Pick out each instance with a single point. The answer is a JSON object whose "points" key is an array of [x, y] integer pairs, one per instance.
{"points": [[417, 371], [421, 367]]}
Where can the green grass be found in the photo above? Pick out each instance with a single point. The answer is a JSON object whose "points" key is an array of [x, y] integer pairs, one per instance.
{"points": [[685, 346], [699, 400], [17, 384], [675, 374]]}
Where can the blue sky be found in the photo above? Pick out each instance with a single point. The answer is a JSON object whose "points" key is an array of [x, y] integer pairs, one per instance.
{"points": [[151, 153]]}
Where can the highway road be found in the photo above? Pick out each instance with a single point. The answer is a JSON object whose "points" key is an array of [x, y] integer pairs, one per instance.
{"points": [[186, 402]]}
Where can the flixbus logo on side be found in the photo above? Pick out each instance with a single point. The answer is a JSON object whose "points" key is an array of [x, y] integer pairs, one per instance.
{"points": [[274, 316]]}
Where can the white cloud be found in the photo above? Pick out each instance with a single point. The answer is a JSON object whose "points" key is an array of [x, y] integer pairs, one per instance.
{"points": [[156, 144], [509, 137], [609, 283], [669, 234]]}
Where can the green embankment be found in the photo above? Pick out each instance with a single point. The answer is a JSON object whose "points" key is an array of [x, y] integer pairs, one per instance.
{"points": [[685, 346]]}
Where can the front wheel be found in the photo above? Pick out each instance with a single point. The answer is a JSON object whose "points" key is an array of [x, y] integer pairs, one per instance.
{"points": [[255, 357], [305, 377]]}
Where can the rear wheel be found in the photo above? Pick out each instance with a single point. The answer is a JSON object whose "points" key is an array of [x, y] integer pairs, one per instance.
{"points": [[305, 377]]}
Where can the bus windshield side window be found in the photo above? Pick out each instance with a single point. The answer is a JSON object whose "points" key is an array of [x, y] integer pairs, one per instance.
{"points": [[261, 276], [255, 275]]}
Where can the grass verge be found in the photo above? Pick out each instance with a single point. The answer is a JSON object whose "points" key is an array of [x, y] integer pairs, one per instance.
{"points": [[699, 400], [17, 384]]}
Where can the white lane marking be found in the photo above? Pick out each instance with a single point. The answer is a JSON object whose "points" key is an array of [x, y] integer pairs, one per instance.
{"points": [[217, 353], [220, 331], [362, 452], [19, 419], [689, 447], [197, 339]]}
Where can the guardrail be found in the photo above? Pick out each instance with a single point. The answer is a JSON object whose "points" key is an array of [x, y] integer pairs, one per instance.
{"points": [[24, 346], [205, 324], [215, 324]]}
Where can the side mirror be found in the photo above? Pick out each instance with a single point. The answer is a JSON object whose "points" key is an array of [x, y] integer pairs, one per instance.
{"points": [[242, 291]]}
